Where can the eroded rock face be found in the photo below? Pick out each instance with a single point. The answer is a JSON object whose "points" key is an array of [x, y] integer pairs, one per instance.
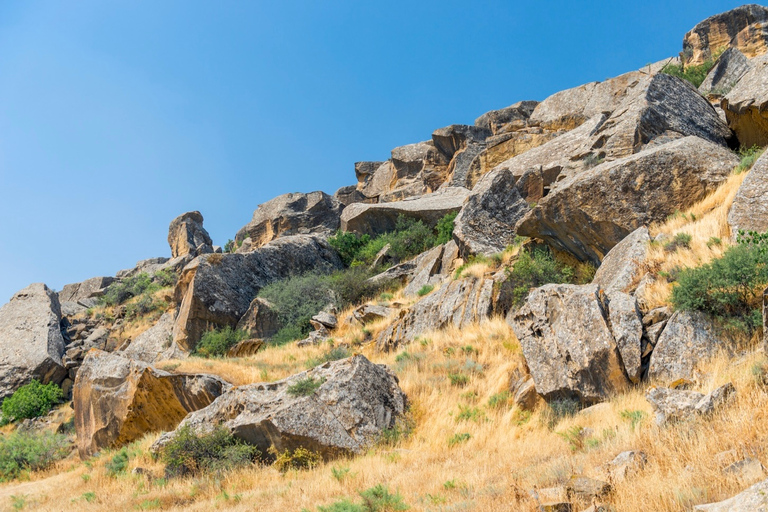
{"points": [[749, 210], [627, 328], [456, 137], [216, 290], [745, 105], [745, 28], [618, 268], [589, 213], [186, 235], [155, 344], [261, 320], [687, 340], [497, 120], [672, 405], [421, 164], [730, 67], [292, 214], [344, 415], [457, 303], [117, 400], [90, 288], [377, 183], [754, 499], [31, 344], [375, 219]]}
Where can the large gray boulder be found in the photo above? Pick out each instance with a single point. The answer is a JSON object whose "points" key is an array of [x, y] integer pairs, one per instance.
{"points": [[497, 120], [456, 303], [745, 28], [745, 105], [618, 268], [729, 69], [216, 290], [261, 320], [670, 405], [749, 210], [292, 214], [569, 341], [155, 344], [688, 339], [753, 499], [626, 324], [31, 344], [486, 223], [355, 401], [186, 235], [90, 288], [375, 219], [587, 214]]}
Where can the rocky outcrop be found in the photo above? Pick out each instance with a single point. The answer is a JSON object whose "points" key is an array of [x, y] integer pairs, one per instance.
{"points": [[688, 339], [422, 165], [31, 344], [568, 343], [88, 289], [261, 320], [456, 303], [618, 268], [587, 214], [350, 194], [353, 402], [375, 184], [117, 400], [672, 405], [216, 290], [486, 223], [375, 219], [427, 271], [457, 137], [245, 348], [186, 235], [627, 327], [745, 105], [754, 499], [155, 344], [292, 214], [749, 210], [730, 67], [368, 313], [513, 116], [745, 28]]}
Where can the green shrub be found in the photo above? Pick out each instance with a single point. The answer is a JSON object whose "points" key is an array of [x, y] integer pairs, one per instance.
{"points": [[748, 158], [230, 246], [334, 354], [165, 278], [425, 290], [144, 305], [458, 379], [679, 240], [305, 386], [216, 343], [118, 464], [287, 334], [189, 453], [445, 228], [533, 269], [300, 458], [459, 438], [500, 400], [120, 291], [379, 499], [693, 74], [348, 245], [344, 505], [31, 401], [22, 451]]}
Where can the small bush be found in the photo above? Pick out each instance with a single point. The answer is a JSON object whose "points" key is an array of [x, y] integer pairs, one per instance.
{"points": [[458, 379], [533, 269], [304, 387], [216, 343], [459, 438], [21, 452], [424, 290], [340, 473], [500, 400], [470, 414], [118, 464], [678, 241], [379, 499], [714, 242], [189, 453], [348, 245], [300, 458], [121, 291], [633, 417], [693, 74], [344, 505], [445, 228], [748, 158], [287, 334], [31, 401]]}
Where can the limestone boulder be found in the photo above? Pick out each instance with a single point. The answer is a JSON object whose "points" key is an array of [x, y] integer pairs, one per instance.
{"points": [[216, 290], [87, 289], [155, 344], [350, 194], [619, 267], [625, 465], [749, 210], [118, 400], [688, 339], [368, 313], [186, 235], [568, 344], [587, 214], [745, 105], [354, 402], [292, 214], [378, 183], [375, 219], [426, 272], [31, 343], [497, 120], [753, 499], [364, 170], [626, 325], [744, 28], [456, 303], [246, 348], [486, 223], [261, 320], [730, 67], [456, 137], [672, 405], [422, 161]]}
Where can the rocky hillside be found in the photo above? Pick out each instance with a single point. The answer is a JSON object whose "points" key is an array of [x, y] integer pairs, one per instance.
{"points": [[560, 307]]}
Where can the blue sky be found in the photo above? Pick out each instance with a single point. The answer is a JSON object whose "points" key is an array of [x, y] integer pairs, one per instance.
{"points": [[117, 116]]}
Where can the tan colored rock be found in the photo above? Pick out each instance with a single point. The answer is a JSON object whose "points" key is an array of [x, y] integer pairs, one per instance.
{"points": [[246, 348], [745, 28], [753, 499], [425, 272], [498, 120], [261, 320], [625, 465], [186, 235], [745, 105], [627, 327], [749, 210], [618, 269], [87, 289], [457, 137], [730, 67], [118, 400], [155, 344], [423, 161], [379, 182]]}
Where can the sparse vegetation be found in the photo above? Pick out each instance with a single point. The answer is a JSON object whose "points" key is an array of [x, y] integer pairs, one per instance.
{"points": [[298, 459], [748, 158], [216, 343], [693, 74], [31, 401], [118, 463], [190, 453], [120, 291], [424, 290], [21, 452], [305, 386], [538, 267], [680, 240]]}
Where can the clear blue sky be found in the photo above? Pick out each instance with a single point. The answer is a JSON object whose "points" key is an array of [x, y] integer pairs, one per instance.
{"points": [[117, 116]]}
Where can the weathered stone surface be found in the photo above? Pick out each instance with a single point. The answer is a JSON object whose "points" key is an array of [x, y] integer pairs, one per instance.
{"points": [[745, 105], [568, 344], [151, 266], [618, 268], [455, 303], [525, 395], [292, 214], [586, 488], [368, 313], [31, 344], [216, 290], [625, 465], [456, 137], [364, 170], [749, 210], [497, 120], [730, 67], [89, 288], [117, 400], [324, 319], [486, 222], [373, 185], [754, 499], [186, 235], [374, 219], [672, 405], [350, 194], [589, 213], [345, 415], [746, 470], [687, 340], [745, 28], [155, 344], [261, 320], [627, 327], [427, 268], [422, 161], [245, 348], [461, 165]]}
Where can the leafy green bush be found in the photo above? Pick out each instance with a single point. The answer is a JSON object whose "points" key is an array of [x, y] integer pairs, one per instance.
{"points": [[459, 438], [344, 505], [533, 269], [31, 401], [305, 386], [189, 453], [445, 228], [379, 499], [216, 343], [678, 241], [748, 158], [300, 458], [348, 245], [22, 451], [118, 464], [425, 290], [693, 74], [287, 334], [120, 291]]}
